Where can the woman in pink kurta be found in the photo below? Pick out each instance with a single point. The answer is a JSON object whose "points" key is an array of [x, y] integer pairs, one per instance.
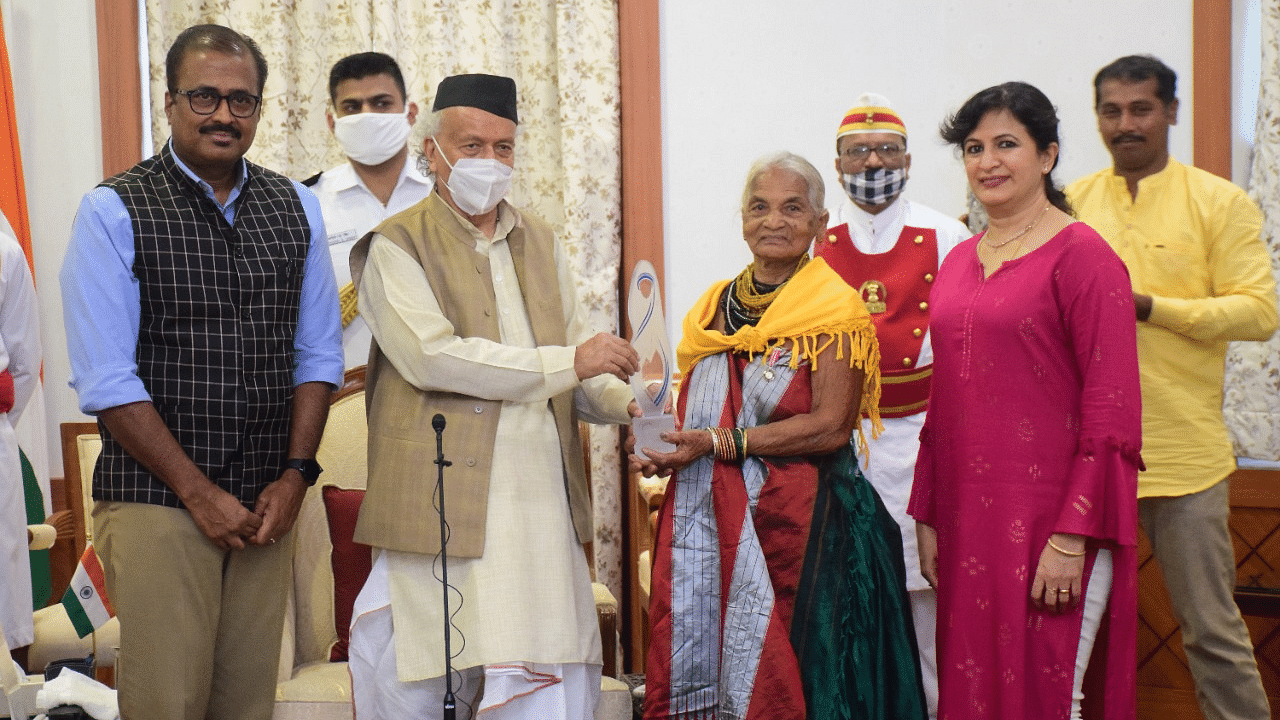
{"points": [[1026, 484]]}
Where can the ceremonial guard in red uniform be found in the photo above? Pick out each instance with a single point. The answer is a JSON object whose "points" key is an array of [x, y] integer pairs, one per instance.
{"points": [[889, 249]]}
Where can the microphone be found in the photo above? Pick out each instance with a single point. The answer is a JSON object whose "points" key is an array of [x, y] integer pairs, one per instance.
{"points": [[450, 704]]}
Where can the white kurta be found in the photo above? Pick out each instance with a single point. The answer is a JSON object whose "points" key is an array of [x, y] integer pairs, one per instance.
{"points": [[528, 599], [350, 210], [893, 455], [20, 352]]}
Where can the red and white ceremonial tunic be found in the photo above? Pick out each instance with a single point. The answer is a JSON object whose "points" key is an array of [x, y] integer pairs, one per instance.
{"points": [[891, 258]]}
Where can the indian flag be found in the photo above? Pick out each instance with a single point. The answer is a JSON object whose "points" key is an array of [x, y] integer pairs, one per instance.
{"points": [[86, 597]]}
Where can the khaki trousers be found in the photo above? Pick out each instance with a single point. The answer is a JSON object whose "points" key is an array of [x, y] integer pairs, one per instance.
{"points": [[1190, 540], [200, 628]]}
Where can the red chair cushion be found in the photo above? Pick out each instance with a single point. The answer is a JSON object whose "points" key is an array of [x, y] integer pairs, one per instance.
{"points": [[351, 560]]}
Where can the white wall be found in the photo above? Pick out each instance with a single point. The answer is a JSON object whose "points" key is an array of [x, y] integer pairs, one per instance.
{"points": [[745, 77], [53, 53]]}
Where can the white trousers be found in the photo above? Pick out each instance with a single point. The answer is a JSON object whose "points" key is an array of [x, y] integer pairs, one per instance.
{"points": [[1096, 597], [492, 692], [924, 613]]}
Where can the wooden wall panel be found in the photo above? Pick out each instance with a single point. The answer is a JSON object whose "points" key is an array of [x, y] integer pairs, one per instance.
{"points": [[1166, 690], [119, 85], [642, 238], [1211, 73]]}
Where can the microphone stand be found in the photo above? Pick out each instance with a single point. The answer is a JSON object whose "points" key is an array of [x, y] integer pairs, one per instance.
{"points": [[450, 705]]}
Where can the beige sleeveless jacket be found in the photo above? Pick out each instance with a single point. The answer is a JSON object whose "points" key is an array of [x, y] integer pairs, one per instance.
{"points": [[397, 512]]}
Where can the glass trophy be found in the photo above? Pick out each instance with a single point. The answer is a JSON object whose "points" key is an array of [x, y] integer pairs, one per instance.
{"points": [[652, 384]]}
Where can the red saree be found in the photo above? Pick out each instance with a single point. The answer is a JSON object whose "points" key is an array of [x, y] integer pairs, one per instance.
{"points": [[778, 586]]}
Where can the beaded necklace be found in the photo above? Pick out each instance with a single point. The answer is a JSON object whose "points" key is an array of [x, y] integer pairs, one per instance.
{"points": [[746, 299]]}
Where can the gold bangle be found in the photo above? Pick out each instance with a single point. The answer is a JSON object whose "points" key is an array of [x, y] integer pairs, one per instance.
{"points": [[743, 435], [715, 442], [1054, 545], [726, 452]]}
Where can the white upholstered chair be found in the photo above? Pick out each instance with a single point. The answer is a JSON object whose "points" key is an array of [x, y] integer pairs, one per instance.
{"points": [[17, 692]]}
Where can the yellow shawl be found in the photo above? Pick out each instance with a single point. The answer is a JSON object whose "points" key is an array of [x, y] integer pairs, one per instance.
{"points": [[814, 309]]}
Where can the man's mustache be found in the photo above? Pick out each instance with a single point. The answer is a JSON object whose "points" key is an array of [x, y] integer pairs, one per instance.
{"points": [[221, 128], [1127, 137]]}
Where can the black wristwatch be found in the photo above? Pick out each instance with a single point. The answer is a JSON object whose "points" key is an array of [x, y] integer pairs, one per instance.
{"points": [[310, 469]]}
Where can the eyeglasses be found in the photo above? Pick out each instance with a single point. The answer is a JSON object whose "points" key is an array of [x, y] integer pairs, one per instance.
{"points": [[887, 152], [205, 101]]}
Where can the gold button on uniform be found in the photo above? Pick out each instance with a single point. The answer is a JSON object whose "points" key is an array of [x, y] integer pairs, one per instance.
{"points": [[919, 239], [924, 306], [917, 332], [831, 238], [928, 277], [906, 362]]}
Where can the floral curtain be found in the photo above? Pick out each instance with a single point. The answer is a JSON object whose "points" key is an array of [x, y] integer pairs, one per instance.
{"points": [[564, 58], [1252, 394]]}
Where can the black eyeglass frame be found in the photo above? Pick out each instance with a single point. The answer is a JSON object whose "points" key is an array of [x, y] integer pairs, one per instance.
{"points": [[896, 152], [229, 98]]}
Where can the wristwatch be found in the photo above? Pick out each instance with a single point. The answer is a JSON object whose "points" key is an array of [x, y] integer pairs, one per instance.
{"points": [[310, 469]]}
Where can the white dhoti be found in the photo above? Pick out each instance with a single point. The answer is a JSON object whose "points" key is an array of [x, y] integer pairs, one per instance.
{"points": [[524, 629]]}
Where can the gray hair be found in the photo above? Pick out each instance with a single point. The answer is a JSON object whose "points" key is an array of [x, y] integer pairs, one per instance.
{"points": [[429, 126], [790, 162], [431, 123]]}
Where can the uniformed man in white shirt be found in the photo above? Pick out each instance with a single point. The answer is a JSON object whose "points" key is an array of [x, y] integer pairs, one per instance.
{"points": [[371, 118], [889, 249]]}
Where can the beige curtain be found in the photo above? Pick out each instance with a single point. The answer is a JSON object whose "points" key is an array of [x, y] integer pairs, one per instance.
{"points": [[564, 58], [1252, 398]]}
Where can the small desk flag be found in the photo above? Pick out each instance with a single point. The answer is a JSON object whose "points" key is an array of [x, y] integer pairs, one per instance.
{"points": [[86, 597]]}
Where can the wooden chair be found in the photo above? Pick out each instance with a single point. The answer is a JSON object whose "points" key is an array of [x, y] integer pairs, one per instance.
{"points": [[55, 638], [81, 444]]}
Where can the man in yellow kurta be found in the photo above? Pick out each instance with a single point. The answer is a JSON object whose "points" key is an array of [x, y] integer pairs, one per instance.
{"points": [[474, 318], [1201, 278]]}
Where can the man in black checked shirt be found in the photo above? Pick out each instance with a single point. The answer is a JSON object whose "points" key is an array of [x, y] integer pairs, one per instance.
{"points": [[202, 323]]}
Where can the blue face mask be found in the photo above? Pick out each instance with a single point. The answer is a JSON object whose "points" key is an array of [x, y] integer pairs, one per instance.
{"points": [[874, 186]]}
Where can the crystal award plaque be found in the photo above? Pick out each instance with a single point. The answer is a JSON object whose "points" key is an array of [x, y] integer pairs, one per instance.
{"points": [[652, 384]]}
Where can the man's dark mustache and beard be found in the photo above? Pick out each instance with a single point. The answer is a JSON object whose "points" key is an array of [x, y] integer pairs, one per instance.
{"points": [[1127, 137], [220, 128]]}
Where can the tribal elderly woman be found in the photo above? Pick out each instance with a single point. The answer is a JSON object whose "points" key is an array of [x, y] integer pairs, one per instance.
{"points": [[778, 584]]}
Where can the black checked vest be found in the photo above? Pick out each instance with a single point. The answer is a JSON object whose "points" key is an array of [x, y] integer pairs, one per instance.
{"points": [[220, 306]]}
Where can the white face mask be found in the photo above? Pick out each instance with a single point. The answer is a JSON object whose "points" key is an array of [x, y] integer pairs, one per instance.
{"points": [[477, 184], [372, 138]]}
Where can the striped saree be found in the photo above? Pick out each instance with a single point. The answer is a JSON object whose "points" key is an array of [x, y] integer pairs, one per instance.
{"points": [[778, 584]]}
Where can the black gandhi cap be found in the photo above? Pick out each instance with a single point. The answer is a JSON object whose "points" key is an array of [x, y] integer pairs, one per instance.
{"points": [[492, 93]]}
